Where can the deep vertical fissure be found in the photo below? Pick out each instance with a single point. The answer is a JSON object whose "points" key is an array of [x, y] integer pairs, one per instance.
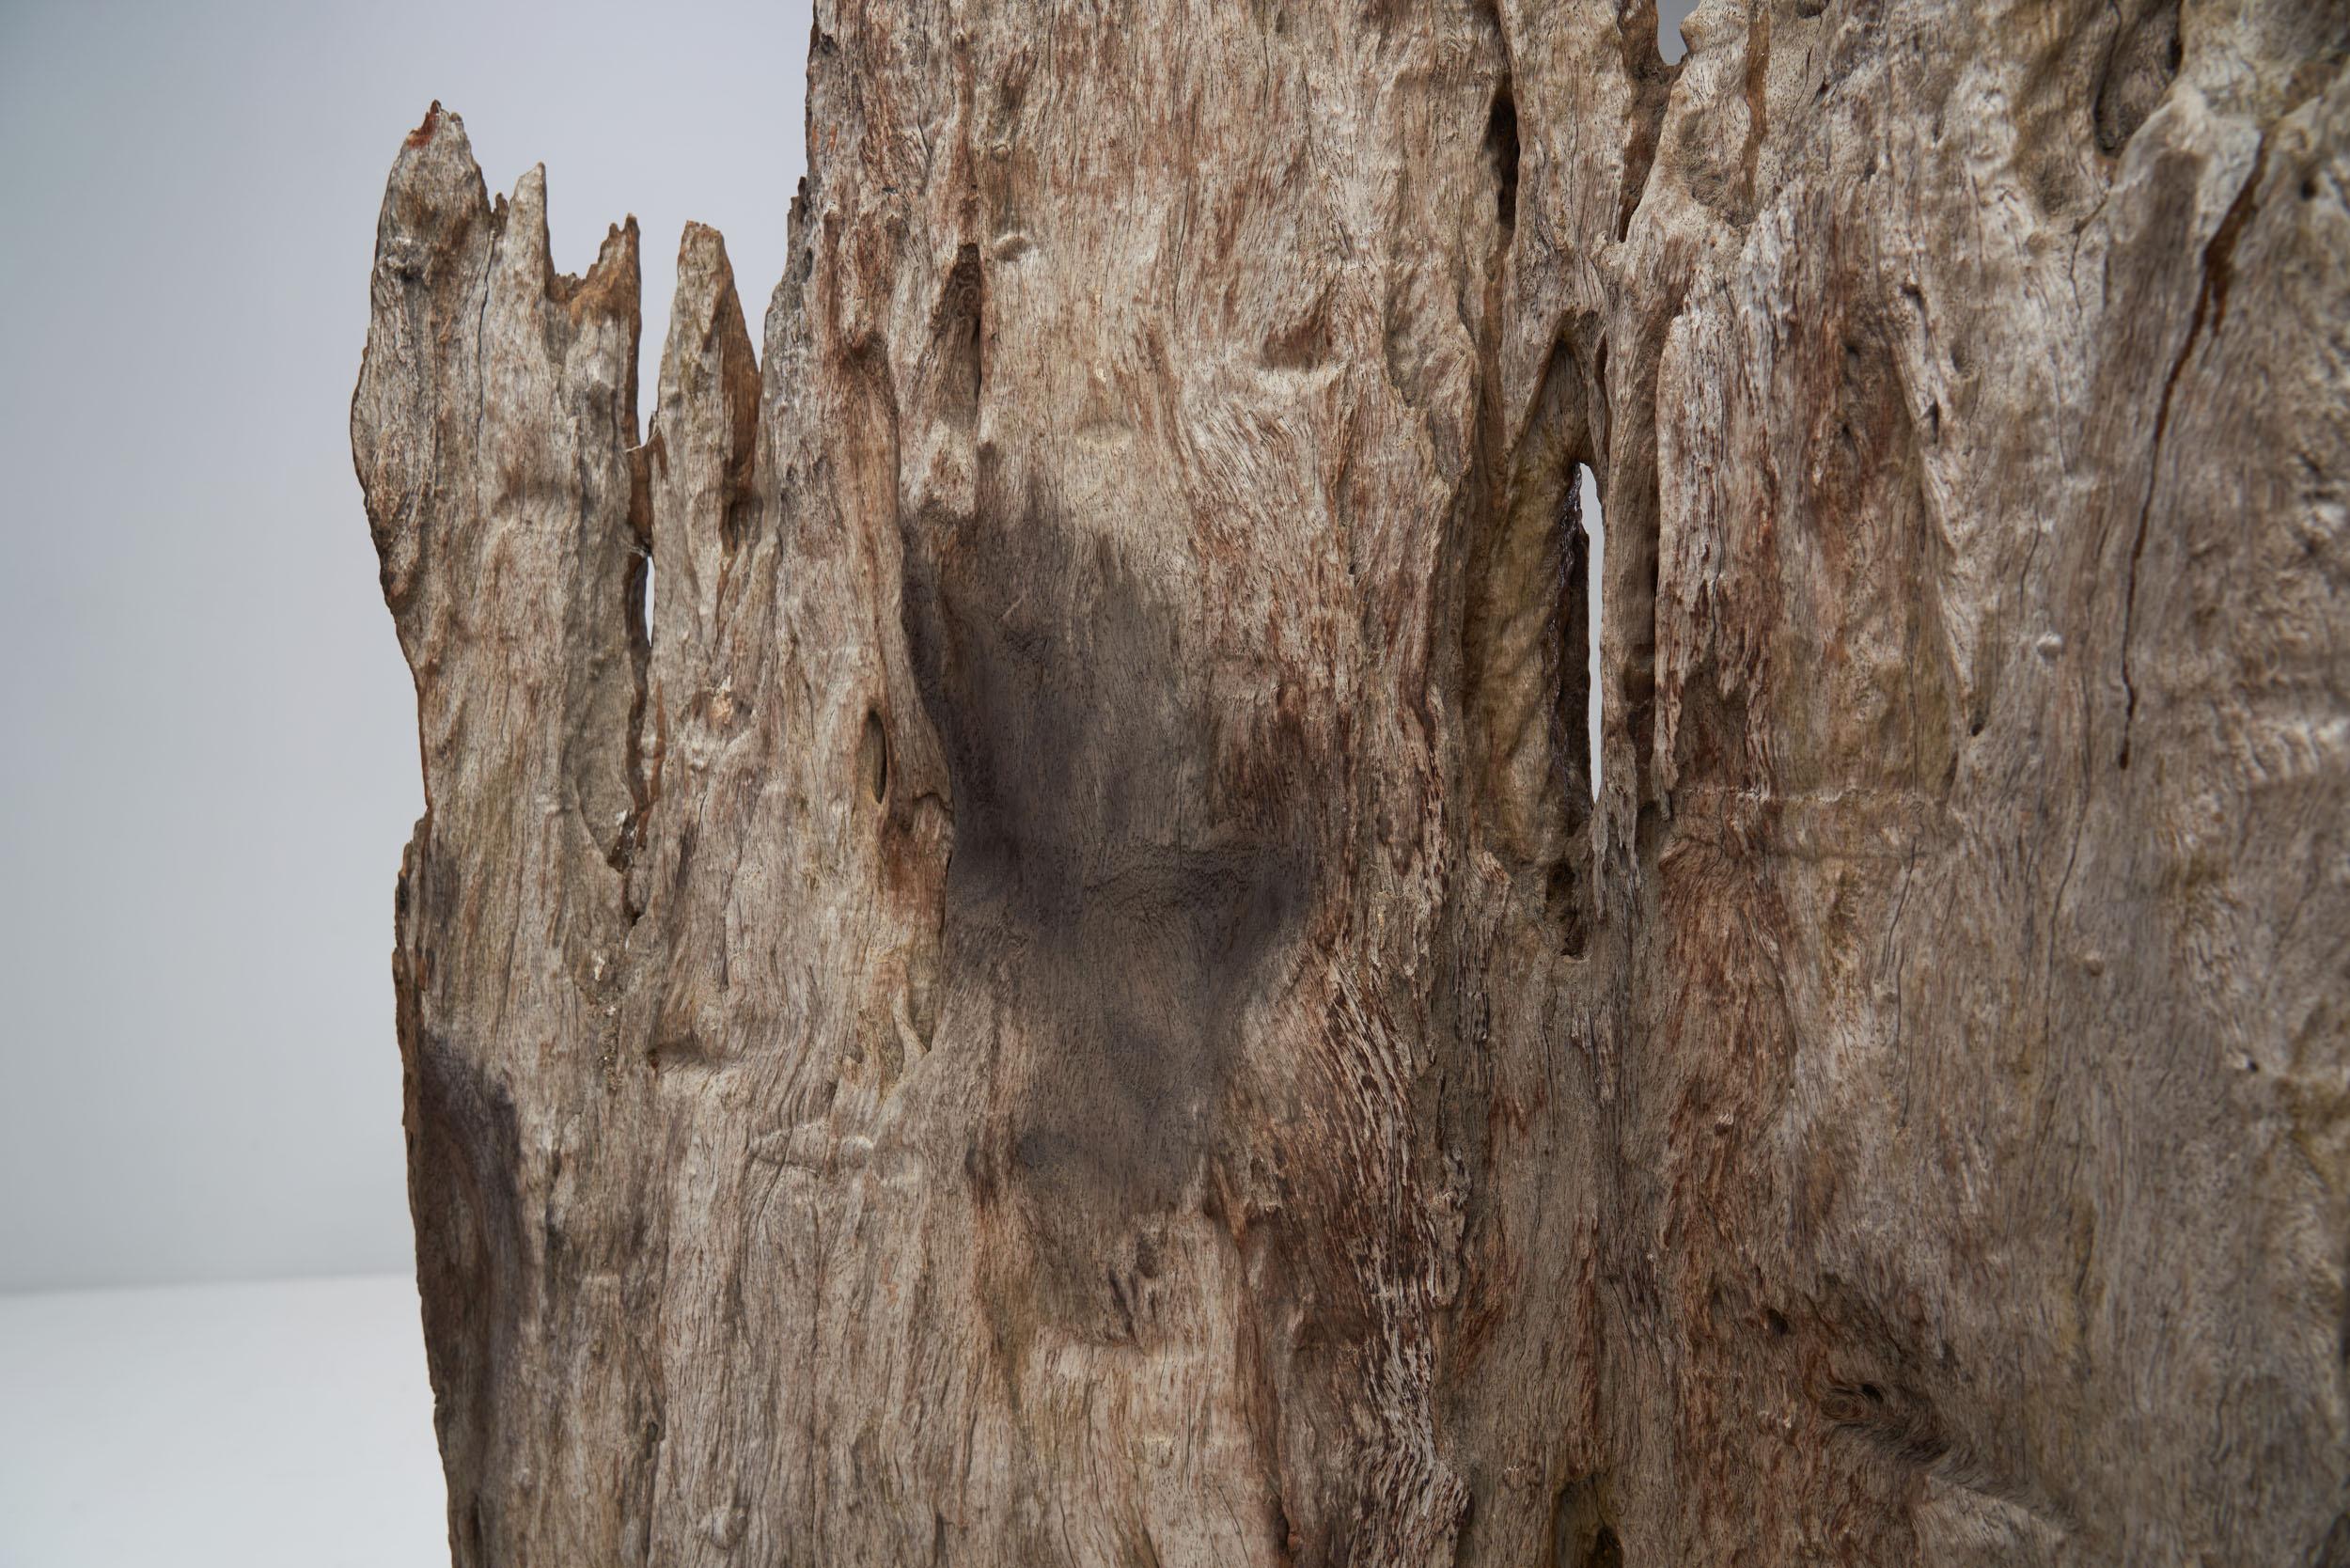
{"points": [[1501, 146], [1594, 581]]}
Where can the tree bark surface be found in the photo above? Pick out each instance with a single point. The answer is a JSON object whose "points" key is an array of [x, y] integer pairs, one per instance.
{"points": [[1065, 998]]}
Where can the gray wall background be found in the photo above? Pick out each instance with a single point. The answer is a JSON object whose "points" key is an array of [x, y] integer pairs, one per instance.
{"points": [[206, 751]]}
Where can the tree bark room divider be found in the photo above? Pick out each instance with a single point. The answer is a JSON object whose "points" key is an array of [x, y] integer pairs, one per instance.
{"points": [[1065, 995]]}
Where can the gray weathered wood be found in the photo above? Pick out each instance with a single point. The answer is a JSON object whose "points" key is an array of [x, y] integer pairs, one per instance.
{"points": [[1068, 1000]]}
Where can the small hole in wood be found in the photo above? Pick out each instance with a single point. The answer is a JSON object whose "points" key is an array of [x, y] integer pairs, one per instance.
{"points": [[873, 758], [1501, 146]]}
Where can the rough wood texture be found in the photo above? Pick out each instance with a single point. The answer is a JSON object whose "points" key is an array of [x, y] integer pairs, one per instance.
{"points": [[1068, 999]]}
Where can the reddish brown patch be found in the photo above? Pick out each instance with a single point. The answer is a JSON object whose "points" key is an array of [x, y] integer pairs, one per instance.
{"points": [[423, 133]]}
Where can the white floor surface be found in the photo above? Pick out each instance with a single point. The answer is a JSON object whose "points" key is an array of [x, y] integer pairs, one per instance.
{"points": [[265, 1425]]}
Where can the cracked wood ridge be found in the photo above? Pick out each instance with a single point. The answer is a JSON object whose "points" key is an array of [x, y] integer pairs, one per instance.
{"points": [[1065, 998]]}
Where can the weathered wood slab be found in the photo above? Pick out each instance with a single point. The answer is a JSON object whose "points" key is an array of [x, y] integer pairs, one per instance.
{"points": [[1065, 998]]}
